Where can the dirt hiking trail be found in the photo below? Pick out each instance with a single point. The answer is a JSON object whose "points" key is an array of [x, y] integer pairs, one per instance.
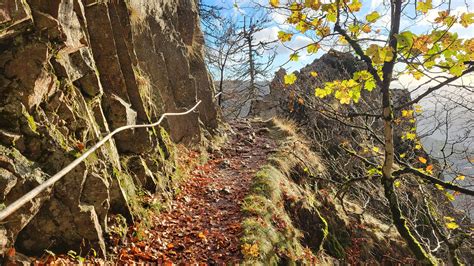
{"points": [[203, 224]]}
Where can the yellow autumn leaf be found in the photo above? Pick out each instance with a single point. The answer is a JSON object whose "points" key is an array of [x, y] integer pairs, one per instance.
{"points": [[442, 15], [314, 74], [284, 37], [324, 31], [321, 93], [302, 26], [250, 250], [449, 196], [418, 146], [342, 40], [424, 7], [386, 54], [343, 96], [374, 171], [274, 3], [313, 48], [397, 183], [422, 160], [314, 4], [372, 17], [289, 79], [452, 225], [403, 155], [355, 6], [467, 19], [354, 29], [448, 218], [410, 136], [417, 75], [294, 57], [376, 149], [366, 28], [407, 113], [439, 187], [460, 177]]}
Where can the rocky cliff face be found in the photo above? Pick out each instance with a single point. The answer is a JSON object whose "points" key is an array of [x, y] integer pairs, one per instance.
{"points": [[70, 72]]}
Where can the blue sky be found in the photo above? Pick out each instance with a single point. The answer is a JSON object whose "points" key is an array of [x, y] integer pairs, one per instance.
{"points": [[420, 25]]}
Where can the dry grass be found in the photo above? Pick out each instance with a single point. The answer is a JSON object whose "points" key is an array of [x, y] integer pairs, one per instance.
{"points": [[294, 153], [269, 225], [283, 191]]}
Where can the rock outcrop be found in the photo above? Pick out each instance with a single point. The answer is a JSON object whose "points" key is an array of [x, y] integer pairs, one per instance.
{"points": [[333, 133], [70, 72]]}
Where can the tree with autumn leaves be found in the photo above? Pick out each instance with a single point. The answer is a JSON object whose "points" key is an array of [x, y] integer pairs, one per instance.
{"points": [[438, 58]]}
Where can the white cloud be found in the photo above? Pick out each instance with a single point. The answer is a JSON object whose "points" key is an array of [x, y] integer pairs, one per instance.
{"points": [[267, 34], [279, 18]]}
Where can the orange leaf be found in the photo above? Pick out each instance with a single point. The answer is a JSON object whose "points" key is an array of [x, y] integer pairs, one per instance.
{"points": [[201, 235], [80, 146], [422, 160], [11, 252], [429, 168], [170, 246]]}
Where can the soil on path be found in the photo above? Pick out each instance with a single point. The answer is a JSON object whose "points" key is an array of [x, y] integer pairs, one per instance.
{"points": [[203, 224]]}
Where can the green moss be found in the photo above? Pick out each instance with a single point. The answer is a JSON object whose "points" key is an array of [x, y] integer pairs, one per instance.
{"points": [[118, 226], [156, 206], [129, 190], [178, 175], [29, 119], [74, 153], [256, 205], [266, 183], [264, 236], [57, 82], [277, 207], [203, 157], [334, 247], [166, 145], [325, 228], [92, 159], [268, 224]]}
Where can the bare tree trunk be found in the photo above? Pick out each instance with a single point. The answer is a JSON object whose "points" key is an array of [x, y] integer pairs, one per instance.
{"points": [[251, 67], [221, 89], [387, 168], [249, 39]]}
